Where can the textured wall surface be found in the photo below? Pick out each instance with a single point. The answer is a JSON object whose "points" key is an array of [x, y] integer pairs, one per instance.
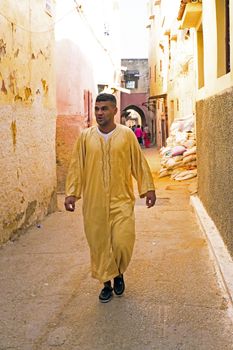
{"points": [[140, 64], [215, 165], [74, 75], [28, 116], [68, 130]]}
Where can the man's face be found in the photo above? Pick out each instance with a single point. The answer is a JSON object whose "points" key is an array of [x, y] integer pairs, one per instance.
{"points": [[104, 113]]}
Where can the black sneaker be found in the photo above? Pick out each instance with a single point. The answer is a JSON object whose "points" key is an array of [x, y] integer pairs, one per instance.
{"points": [[106, 293], [119, 285]]}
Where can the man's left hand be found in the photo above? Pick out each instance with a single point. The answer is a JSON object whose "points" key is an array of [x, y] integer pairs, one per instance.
{"points": [[150, 199]]}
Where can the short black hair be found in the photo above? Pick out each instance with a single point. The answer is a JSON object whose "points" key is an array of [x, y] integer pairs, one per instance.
{"points": [[106, 97]]}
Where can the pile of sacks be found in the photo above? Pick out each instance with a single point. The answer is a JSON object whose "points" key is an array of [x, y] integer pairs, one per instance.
{"points": [[179, 158]]}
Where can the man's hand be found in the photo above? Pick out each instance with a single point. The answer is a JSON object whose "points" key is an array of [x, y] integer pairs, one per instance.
{"points": [[70, 203], [150, 199]]}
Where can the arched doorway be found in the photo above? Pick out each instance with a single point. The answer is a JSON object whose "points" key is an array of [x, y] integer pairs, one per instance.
{"points": [[134, 116]]}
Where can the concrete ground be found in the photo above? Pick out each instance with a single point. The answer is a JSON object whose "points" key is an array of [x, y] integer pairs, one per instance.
{"points": [[173, 299]]}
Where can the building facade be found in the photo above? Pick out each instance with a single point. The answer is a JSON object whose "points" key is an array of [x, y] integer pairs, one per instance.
{"points": [[212, 21], [200, 81], [135, 80], [214, 122], [28, 115], [171, 67], [87, 62]]}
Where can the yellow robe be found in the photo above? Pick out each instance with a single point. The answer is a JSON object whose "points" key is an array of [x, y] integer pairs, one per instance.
{"points": [[101, 171]]}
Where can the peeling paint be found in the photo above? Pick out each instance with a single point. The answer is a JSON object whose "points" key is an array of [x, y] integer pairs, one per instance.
{"points": [[52, 206], [14, 133], [16, 53], [29, 212], [28, 93], [12, 84], [18, 98], [26, 79], [2, 48], [3, 88], [11, 221], [45, 86]]}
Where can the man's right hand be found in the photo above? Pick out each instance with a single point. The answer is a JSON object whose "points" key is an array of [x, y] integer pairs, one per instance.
{"points": [[70, 203]]}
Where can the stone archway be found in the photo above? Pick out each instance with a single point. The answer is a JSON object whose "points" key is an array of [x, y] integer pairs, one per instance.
{"points": [[137, 110]]}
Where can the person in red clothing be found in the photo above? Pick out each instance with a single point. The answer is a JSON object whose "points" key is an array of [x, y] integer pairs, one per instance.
{"points": [[146, 136]]}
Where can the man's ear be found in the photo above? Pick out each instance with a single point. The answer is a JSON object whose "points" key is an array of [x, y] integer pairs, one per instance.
{"points": [[116, 110]]}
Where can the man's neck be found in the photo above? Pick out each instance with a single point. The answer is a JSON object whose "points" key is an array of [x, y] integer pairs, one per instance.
{"points": [[107, 129]]}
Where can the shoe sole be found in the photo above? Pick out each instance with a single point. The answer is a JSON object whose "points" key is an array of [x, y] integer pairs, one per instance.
{"points": [[105, 301], [119, 295]]}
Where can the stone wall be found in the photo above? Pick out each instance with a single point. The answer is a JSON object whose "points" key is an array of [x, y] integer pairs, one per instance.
{"points": [[215, 165], [28, 116]]}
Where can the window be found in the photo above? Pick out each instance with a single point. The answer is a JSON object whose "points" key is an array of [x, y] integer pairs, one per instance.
{"points": [[130, 84], [155, 73], [131, 79], [223, 37]]}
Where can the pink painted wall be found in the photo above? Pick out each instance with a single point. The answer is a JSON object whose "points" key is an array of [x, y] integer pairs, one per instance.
{"points": [[134, 99], [74, 75], [74, 79]]}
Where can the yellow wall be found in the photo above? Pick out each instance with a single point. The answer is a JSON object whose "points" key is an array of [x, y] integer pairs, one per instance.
{"points": [[214, 123], [158, 47], [213, 83], [27, 107]]}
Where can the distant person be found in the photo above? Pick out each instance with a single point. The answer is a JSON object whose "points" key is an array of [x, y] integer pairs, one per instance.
{"points": [[146, 136], [105, 157], [139, 134]]}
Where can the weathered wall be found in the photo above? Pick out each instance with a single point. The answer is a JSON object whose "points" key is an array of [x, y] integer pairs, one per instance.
{"points": [[68, 129], [215, 166], [140, 64], [85, 58], [27, 124], [74, 75], [135, 99]]}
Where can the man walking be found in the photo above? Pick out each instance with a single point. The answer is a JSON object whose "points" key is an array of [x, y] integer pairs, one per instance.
{"points": [[105, 158]]}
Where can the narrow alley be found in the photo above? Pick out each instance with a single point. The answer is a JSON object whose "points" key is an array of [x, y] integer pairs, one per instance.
{"points": [[166, 67], [173, 299]]}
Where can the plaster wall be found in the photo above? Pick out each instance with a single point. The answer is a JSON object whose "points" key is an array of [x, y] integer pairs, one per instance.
{"points": [[182, 76], [215, 166], [86, 56], [214, 127], [135, 99], [212, 83], [28, 112]]}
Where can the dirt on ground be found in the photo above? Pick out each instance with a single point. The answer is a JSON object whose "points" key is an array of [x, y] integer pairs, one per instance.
{"points": [[173, 299]]}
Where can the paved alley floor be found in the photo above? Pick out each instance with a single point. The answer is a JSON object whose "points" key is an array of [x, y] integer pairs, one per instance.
{"points": [[173, 297]]}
